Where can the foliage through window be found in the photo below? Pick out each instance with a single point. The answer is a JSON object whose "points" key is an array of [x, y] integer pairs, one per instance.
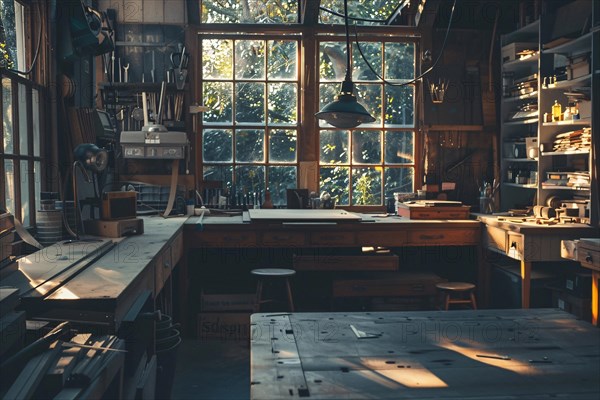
{"points": [[249, 137], [249, 11], [366, 165]]}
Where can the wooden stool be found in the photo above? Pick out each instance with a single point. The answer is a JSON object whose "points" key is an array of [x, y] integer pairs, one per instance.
{"points": [[459, 289], [272, 274]]}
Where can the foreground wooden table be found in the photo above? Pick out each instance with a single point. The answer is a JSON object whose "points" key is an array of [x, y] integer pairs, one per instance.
{"points": [[500, 354]]}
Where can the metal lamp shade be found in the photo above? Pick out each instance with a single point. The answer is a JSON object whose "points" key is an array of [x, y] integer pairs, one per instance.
{"points": [[345, 112], [91, 157]]}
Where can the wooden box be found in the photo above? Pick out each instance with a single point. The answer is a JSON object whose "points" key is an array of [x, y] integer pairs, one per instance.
{"points": [[509, 52], [114, 229], [427, 211]]}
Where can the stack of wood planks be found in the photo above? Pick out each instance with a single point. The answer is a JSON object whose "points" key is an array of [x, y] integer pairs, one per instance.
{"points": [[7, 237], [12, 323], [87, 366]]}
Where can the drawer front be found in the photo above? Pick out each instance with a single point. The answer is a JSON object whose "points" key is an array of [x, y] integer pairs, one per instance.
{"points": [[227, 239], [283, 239], [162, 269], [438, 214], [390, 239], [515, 246], [344, 239], [177, 249], [589, 258], [432, 237], [494, 238]]}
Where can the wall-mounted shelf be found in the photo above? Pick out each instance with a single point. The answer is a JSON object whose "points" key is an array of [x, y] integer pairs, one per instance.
{"points": [[521, 185], [528, 74], [575, 122], [565, 153]]}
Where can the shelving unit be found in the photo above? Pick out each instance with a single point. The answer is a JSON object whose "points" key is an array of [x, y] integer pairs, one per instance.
{"points": [[544, 65], [514, 132]]}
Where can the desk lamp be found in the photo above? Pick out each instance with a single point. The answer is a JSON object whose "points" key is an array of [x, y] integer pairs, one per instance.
{"points": [[88, 157]]}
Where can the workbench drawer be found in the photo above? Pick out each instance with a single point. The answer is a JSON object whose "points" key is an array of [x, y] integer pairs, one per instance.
{"points": [[337, 238], [589, 258], [162, 269], [388, 262], [382, 239], [284, 239], [494, 238], [515, 246], [227, 239], [429, 237]]}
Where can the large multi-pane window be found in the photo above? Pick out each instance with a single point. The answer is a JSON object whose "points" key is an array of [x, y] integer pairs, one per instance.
{"points": [[21, 122], [249, 135], [254, 83], [366, 165]]}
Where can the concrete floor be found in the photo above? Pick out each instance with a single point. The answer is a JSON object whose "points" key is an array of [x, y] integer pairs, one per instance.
{"points": [[212, 370]]}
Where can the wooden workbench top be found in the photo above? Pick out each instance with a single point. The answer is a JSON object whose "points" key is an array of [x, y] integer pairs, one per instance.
{"points": [[508, 223], [471, 354]]}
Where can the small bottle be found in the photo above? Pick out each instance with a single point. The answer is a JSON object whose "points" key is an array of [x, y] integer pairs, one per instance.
{"points": [[509, 174], [567, 113], [556, 111], [575, 111]]}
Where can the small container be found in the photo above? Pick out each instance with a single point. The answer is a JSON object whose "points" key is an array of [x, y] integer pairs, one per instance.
{"points": [[556, 111]]}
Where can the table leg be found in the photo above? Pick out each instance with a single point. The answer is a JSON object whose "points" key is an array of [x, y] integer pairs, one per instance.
{"points": [[525, 283], [595, 277], [483, 277]]}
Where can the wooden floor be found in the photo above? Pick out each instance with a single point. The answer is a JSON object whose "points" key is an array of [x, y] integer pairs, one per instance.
{"points": [[499, 354]]}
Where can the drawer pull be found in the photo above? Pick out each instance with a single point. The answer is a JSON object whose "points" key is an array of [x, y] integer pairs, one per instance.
{"points": [[167, 265], [431, 237], [588, 258], [513, 245]]}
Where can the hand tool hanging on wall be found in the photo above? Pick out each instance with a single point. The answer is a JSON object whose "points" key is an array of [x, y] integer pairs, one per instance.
{"points": [[126, 72]]}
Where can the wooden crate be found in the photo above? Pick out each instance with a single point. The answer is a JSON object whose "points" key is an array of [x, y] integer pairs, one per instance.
{"points": [[423, 211]]}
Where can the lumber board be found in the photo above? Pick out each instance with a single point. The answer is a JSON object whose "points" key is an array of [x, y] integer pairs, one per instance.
{"points": [[12, 330], [146, 385], [9, 299], [31, 376]]}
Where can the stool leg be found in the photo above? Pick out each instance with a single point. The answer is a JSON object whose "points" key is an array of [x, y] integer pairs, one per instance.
{"points": [[289, 293], [259, 286], [473, 302], [447, 301]]}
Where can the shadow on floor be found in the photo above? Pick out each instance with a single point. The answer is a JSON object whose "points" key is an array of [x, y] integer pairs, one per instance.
{"points": [[212, 370]]}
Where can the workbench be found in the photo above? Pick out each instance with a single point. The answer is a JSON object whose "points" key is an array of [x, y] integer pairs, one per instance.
{"points": [[527, 242], [241, 232], [112, 274], [470, 354]]}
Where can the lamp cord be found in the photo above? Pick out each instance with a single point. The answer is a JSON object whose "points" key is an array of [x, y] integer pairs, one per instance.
{"points": [[348, 65], [418, 77]]}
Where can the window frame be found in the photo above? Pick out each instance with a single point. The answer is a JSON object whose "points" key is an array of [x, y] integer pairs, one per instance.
{"points": [[17, 156], [308, 141], [382, 127], [235, 126]]}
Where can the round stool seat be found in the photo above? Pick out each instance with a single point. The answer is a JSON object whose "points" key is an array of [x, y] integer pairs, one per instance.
{"points": [[273, 272], [455, 286], [455, 293]]}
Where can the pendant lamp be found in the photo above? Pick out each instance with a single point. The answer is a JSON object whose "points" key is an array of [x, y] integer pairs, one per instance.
{"points": [[345, 111]]}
